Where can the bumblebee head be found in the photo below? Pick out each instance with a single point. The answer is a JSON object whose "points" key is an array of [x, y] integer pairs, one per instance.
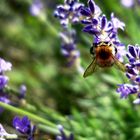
{"points": [[103, 48]]}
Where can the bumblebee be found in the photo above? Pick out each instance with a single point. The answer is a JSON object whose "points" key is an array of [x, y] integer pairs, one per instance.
{"points": [[103, 56]]}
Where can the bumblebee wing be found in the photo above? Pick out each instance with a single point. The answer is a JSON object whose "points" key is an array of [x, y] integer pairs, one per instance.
{"points": [[120, 65], [90, 69]]}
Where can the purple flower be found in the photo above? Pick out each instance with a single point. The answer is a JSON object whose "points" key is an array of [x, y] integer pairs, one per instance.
{"points": [[3, 81], [101, 29], [69, 12], [121, 52], [127, 89], [91, 19], [98, 25], [4, 98], [24, 126], [68, 47], [63, 135], [132, 73], [4, 66], [22, 91], [92, 11], [133, 55], [36, 7], [116, 23]]}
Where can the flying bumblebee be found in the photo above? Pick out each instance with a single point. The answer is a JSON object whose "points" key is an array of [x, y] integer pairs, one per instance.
{"points": [[103, 56]]}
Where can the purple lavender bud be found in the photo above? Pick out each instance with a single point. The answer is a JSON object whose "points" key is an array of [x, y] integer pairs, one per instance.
{"points": [[68, 48], [69, 12], [91, 11], [85, 12], [133, 71], [137, 64], [95, 21], [109, 29], [87, 28], [103, 22], [22, 91], [117, 24], [94, 31], [113, 36], [126, 89], [138, 79], [132, 60], [85, 21], [24, 126], [3, 81], [4, 98], [133, 55], [132, 51], [91, 5]]}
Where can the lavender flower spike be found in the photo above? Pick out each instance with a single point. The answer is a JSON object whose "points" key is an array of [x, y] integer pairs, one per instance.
{"points": [[68, 47], [133, 68], [69, 12], [126, 89], [92, 11]]}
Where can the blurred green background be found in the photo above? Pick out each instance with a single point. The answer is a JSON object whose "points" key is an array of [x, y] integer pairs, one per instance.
{"points": [[90, 107]]}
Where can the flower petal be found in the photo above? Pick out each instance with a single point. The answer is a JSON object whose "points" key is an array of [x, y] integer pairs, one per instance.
{"points": [[95, 21], [132, 51], [85, 11], [91, 5], [87, 28], [103, 22], [138, 79], [85, 21]]}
